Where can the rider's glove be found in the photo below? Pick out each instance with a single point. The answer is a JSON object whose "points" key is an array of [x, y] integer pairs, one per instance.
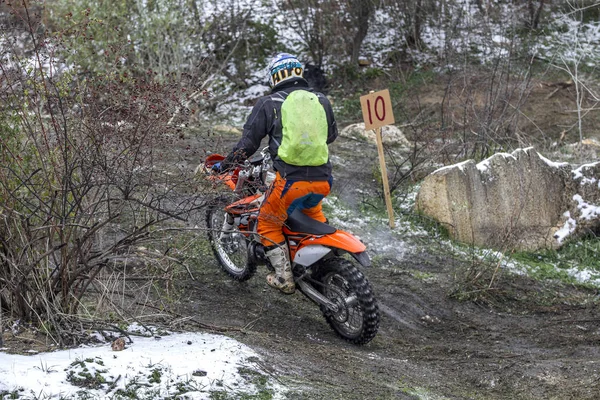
{"points": [[217, 168]]}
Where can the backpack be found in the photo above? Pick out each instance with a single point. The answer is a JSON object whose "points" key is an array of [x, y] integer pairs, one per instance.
{"points": [[304, 130]]}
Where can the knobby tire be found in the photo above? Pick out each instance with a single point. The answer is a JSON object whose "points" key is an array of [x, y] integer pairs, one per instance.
{"points": [[357, 284], [215, 215]]}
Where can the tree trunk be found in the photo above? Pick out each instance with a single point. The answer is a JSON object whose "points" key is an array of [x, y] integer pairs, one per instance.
{"points": [[364, 10], [418, 22], [413, 38], [534, 14]]}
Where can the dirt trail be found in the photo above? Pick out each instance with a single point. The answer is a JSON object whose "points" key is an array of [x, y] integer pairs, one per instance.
{"points": [[541, 342], [428, 346]]}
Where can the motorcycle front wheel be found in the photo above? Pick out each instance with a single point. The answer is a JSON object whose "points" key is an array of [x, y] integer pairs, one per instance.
{"points": [[230, 248], [357, 317]]}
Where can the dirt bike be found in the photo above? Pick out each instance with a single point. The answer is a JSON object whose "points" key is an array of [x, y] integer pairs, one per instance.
{"points": [[321, 272]]}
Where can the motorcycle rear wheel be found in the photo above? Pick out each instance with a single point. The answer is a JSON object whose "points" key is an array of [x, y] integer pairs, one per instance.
{"points": [[231, 251], [357, 319]]}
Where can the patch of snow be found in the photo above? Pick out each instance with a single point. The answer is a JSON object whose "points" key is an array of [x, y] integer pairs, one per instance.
{"points": [[589, 181], [578, 173], [570, 40], [505, 156], [459, 165], [567, 229], [372, 230], [483, 166], [201, 362], [514, 267], [583, 275], [588, 211], [552, 163]]}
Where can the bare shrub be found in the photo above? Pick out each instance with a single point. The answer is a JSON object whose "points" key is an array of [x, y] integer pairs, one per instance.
{"points": [[87, 184], [481, 111], [576, 55], [238, 42], [488, 81]]}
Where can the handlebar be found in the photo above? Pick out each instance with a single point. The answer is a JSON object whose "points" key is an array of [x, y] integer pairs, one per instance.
{"points": [[256, 168]]}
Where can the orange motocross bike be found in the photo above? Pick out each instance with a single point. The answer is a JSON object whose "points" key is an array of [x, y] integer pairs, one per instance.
{"points": [[321, 272]]}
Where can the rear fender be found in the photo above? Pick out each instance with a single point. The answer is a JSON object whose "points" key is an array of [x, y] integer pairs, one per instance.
{"points": [[339, 239], [313, 248], [308, 255]]}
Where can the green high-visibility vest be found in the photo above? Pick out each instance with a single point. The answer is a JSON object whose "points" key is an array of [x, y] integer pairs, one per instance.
{"points": [[304, 123]]}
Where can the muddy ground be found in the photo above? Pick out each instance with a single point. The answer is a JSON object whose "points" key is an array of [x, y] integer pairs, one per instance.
{"points": [[524, 339], [428, 345]]}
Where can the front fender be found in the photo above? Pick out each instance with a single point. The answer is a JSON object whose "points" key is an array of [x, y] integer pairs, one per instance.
{"points": [[362, 258]]}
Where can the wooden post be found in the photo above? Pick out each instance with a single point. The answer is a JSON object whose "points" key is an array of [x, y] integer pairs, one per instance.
{"points": [[384, 178], [377, 112], [1, 327]]}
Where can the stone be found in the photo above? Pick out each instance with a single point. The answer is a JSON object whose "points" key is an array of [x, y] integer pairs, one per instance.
{"points": [[512, 201], [118, 344], [226, 129]]}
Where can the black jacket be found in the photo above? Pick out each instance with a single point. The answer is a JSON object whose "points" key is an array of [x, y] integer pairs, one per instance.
{"points": [[265, 119]]}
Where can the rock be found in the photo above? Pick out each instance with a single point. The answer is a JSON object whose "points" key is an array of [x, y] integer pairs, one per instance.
{"points": [[512, 201], [590, 143], [363, 62], [230, 130], [390, 134], [118, 344]]}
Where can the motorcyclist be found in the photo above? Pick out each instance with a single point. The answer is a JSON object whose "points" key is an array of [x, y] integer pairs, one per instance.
{"points": [[300, 124]]}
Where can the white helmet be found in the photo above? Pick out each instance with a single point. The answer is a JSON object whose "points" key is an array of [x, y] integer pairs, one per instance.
{"points": [[284, 67]]}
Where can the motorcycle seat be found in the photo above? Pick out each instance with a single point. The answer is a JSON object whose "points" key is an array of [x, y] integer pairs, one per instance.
{"points": [[299, 222]]}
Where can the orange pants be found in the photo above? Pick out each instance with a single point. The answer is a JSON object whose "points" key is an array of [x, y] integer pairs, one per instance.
{"points": [[282, 198]]}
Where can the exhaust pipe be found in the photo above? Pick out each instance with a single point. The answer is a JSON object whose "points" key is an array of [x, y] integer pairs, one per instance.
{"points": [[315, 296]]}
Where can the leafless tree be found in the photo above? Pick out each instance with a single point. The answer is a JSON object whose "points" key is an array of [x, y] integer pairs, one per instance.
{"points": [[571, 60], [332, 27]]}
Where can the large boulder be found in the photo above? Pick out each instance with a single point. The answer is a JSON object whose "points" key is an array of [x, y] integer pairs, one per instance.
{"points": [[517, 201]]}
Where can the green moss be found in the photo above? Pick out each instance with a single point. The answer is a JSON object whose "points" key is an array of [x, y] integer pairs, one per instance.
{"points": [[87, 379], [5, 394], [553, 264], [424, 276], [155, 376]]}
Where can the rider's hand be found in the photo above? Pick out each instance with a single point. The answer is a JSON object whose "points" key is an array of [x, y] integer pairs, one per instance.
{"points": [[217, 168]]}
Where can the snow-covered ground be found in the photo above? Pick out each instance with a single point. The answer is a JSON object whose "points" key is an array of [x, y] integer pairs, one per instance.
{"points": [[566, 40], [165, 365]]}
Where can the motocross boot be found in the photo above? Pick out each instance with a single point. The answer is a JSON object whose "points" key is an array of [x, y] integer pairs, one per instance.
{"points": [[282, 279], [227, 229]]}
